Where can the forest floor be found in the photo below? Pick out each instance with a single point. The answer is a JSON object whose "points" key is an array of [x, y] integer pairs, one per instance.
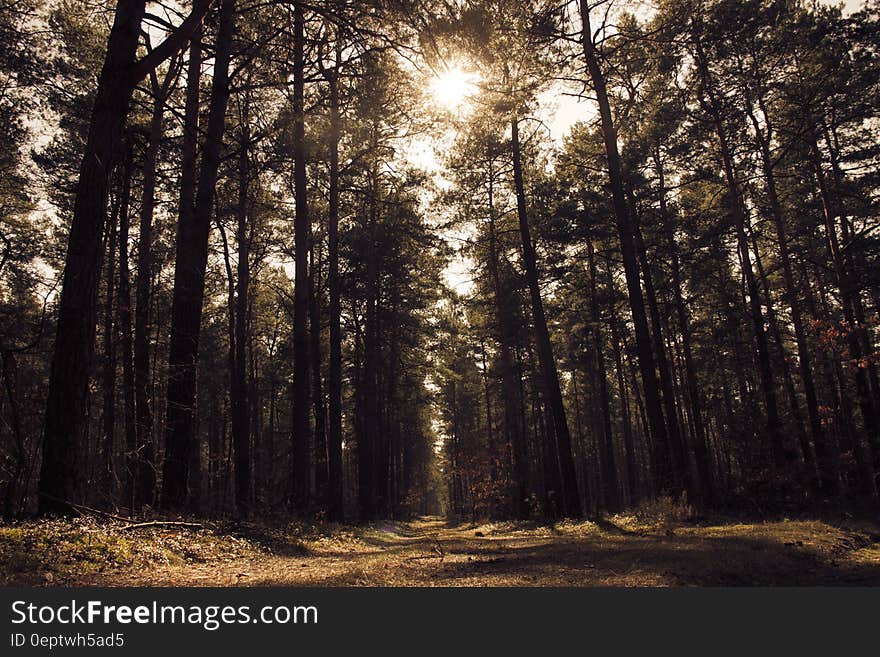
{"points": [[620, 551]]}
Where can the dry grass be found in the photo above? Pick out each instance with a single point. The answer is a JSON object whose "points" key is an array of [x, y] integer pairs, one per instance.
{"points": [[662, 546]]}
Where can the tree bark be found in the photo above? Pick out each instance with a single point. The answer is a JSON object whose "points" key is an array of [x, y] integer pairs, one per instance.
{"points": [[609, 465], [75, 334], [660, 462], [512, 427], [334, 373], [571, 501], [189, 281], [781, 454], [123, 321], [146, 472], [110, 363], [301, 430], [238, 392], [829, 468]]}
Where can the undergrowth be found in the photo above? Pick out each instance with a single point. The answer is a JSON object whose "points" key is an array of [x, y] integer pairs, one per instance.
{"points": [[52, 551]]}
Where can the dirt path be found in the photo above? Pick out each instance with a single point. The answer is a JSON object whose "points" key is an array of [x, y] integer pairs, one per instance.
{"points": [[429, 552]]}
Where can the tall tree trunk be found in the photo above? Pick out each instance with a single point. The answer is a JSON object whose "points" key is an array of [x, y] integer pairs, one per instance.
{"points": [[806, 448], [320, 413], [850, 255], [629, 447], [660, 462], [679, 456], [700, 438], [254, 397], [571, 501], [8, 363], [193, 228], [491, 445], [369, 439], [334, 373], [587, 481], [512, 427], [110, 364], [67, 397], [829, 468], [75, 334], [123, 308], [389, 411], [238, 393], [145, 469], [301, 430], [610, 478], [781, 454], [862, 448]]}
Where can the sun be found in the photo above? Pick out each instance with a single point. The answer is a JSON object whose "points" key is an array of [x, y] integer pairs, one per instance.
{"points": [[452, 87]]}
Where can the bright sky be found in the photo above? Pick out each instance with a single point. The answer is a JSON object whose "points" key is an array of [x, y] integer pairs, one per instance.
{"points": [[559, 109], [453, 87], [451, 90]]}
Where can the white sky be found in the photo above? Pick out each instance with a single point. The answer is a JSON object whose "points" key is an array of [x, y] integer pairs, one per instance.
{"points": [[559, 109], [561, 112]]}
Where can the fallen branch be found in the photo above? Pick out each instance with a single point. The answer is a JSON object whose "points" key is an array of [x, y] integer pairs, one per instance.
{"points": [[164, 523], [82, 508], [98, 512]]}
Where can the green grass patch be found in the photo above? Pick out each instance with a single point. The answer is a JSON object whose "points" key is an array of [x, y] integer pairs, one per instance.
{"points": [[35, 552], [56, 551]]}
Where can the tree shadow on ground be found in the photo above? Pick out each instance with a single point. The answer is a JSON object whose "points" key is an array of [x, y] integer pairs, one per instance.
{"points": [[684, 561], [625, 560], [427, 552]]}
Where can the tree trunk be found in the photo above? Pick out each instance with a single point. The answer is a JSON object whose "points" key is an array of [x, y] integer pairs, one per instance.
{"points": [[334, 379], [862, 448], [8, 363], [74, 342], [632, 470], [110, 364], [189, 281], [679, 456], [301, 430], [781, 454], [368, 441], [571, 501], [610, 478], [146, 472], [849, 255], [238, 392], [491, 448], [123, 308], [321, 455], [660, 462], [700, 438], [67, 397], [806, 448], [512, 427], [829, 468]]}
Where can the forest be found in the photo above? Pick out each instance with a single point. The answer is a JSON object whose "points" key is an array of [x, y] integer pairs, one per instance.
{"points": [[419, 263]]}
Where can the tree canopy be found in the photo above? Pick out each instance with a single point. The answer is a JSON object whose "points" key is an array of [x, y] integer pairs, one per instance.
{"points": [[365, 260]]}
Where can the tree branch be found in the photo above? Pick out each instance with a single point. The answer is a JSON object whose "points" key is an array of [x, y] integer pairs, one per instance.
{"points": [[172, 44]]}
